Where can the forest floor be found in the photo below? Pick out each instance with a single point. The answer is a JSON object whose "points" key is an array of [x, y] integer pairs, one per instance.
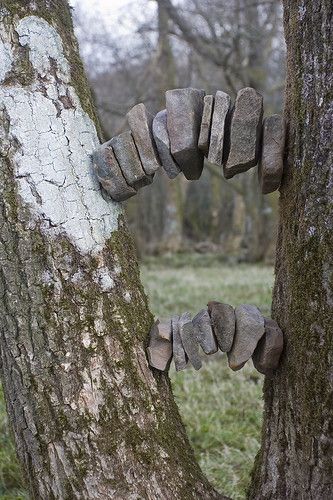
{"points": [[221, 409]]}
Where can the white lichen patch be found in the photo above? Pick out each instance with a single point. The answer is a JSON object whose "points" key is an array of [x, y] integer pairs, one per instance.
{"points": [[103, 278], [55, 139]]}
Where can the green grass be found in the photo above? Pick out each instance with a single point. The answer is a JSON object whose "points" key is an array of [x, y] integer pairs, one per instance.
{"points": [[221, 409]]}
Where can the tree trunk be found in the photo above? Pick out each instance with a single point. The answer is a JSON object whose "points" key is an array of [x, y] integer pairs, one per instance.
{"points": [[295, 460], [90, 419]]}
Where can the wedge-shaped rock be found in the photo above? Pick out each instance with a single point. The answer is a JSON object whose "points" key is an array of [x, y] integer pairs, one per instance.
{"points": [[206, 123], [189, 340], [140, 122], [129, 161], [267, 354], [270, 168], [162, 142], [250, 327], [109, 173], [179, 355], [184, 114], [159, 350], [223, 321], [219, 127], [245, 130], [204, 332]]}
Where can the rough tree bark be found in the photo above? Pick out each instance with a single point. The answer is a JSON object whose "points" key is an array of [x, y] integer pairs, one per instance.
{"points": [[295, 460], [90, 419]]}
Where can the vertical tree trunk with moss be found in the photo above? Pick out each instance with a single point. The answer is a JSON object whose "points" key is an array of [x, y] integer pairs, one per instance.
{"points": [[295, 460], [90, 419]]}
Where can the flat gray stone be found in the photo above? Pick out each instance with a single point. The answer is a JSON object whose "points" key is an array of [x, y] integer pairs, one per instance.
{"points": [[206, 124], [189, 340], [109, 173], [184, 114], [204, 332], [159, 350], [223, 321], [179, 355], [140, 122], [245, 131], [270, 167], [250, 327], [162, 142], [129, 161], [219, 127], [267, 354]]}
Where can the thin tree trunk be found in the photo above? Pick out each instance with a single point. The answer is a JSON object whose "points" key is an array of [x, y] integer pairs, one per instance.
{"points": [[90, 419], [295, 460]]}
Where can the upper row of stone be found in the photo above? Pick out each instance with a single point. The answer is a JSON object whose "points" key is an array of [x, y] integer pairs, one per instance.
{"points": [[192, 126]]}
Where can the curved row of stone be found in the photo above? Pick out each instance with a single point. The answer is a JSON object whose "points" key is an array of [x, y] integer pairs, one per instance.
{"points": [[241, 332], [192, 126]]}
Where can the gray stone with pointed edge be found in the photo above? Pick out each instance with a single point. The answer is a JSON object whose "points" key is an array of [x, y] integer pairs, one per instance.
{"points": [[179, 355], [140, 122], [159, 349], [189, 340], [224, 324], [270, 168], [109, 173], [162, 142], [267, 354], [219, 127], [206, 123], [184, 114], [245, 132], [204, 332], [250, 327], [129, 161]]}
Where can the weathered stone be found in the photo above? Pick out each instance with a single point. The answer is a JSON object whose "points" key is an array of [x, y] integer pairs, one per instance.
{"points": [[159, 350], [267, 354], [129, 161], [206, 123], [245, 130], [179, 355], [270, 167], [223, 321], [250, 327], [189, 340], [140, 122], [219, 126], [162, 142], [184, 113], [109, 173], [204, 332]]}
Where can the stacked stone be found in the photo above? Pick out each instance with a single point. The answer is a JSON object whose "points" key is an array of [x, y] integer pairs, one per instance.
{"points": [[192, 126], [241, 332]]}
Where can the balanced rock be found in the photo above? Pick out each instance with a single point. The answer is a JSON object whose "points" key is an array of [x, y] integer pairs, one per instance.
{"points": [[129, 160], [223, 321], [245, 132], [219, 127], [109, 173], [267, 354], [140, 122], [206, 123], [159, 350], [204, 332], [162, 142], [184, 114], [250, 327], [189, 340], [179, 355], [270, 167]]}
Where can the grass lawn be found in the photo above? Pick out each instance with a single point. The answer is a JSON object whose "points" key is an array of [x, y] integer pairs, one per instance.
{"points": [[221, 409]]}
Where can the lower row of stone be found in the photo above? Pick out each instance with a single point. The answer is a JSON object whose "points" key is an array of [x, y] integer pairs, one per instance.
{"points": [[241, 332]]}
